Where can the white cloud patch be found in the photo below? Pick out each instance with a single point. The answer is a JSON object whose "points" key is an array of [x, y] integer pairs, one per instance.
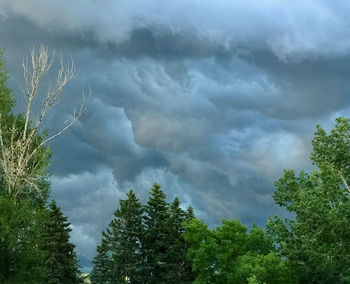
{"points": [[272, 153]]}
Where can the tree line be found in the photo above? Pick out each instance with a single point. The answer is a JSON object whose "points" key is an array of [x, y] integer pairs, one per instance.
{"points": [[161, 242], [144, 244], [148, 244]]}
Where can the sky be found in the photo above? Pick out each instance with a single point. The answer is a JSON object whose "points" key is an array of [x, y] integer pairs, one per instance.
{"points": [[210, 99]]}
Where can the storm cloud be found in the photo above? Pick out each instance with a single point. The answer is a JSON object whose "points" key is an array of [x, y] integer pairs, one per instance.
{"points": [[211, 100]]}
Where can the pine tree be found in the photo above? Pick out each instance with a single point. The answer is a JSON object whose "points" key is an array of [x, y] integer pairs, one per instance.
{"points": [[61, 260], [179, 269], [123, 235], [144, 244], [189, 214], [156, 237], [101, 271]]}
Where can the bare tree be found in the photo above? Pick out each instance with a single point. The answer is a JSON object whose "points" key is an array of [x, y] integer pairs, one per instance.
{"points": [[19, 161]]}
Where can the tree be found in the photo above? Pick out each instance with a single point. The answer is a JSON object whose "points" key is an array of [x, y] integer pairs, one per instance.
{"points": [[333, 150], [22, 256], [179, 269], [155, 238], [144, 244], [228, 254], [122, 238], [23, 157], [21, 222], [61, 260], [317, 241], [102, 265], [6, 99]]}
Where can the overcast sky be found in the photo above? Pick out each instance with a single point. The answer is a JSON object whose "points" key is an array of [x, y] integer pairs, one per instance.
{"points": [[211, 99]]}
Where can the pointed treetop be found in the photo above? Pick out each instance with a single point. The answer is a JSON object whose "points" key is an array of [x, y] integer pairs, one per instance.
{"points": [[156, 192], [190, 213]]}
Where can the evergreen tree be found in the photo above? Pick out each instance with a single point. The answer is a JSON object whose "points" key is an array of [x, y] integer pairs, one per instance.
{"points": [[144, 244], [179, 269], [101, 271], [189, 214], [155, 242], [61, 259], [123, 235]]}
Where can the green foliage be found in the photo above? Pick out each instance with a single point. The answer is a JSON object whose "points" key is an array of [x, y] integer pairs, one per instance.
{"points": [[123, 236], [6, 99], [61, 259], [229, 255], [22, 258], [34, 241], [264, 268], [317, 241], [155, 238], [178, 269], [22, 217], [333, 149], [144, 244], [253, 280], [102, 269]]}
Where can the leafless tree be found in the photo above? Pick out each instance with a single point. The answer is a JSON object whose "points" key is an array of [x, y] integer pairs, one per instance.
{"points": [[19, 163]]}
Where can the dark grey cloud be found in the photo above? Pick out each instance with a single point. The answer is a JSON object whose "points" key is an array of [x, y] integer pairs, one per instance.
{"points": [[211, 100]]}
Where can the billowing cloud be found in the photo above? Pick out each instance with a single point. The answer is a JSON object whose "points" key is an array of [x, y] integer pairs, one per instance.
{"points": [[292, 29], [210, 99]]}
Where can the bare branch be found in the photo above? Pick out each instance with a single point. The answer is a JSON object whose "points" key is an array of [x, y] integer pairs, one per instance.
{"points": [[20, 169]]}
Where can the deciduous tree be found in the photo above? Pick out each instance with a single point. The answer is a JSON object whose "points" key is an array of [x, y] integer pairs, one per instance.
{"points": [[317, 241], [23, 156], [228, 254]]}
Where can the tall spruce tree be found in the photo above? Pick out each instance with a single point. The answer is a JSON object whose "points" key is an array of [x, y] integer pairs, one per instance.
{"points": [[101, 271], [61, 259], [156, 237], [144, 244], [179, 269], [123, 235]]}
